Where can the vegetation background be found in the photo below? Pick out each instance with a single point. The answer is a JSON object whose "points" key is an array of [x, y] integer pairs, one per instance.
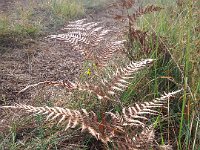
{"points": [[27, 58]]}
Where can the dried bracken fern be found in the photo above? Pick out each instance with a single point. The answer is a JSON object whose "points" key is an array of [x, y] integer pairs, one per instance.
{"points": [[142, 141], [128, 11], [125, 130], [118, 81], [135, 116], [91, 40], [104, 90], [112, 128], [123, 6], [71, 119]]}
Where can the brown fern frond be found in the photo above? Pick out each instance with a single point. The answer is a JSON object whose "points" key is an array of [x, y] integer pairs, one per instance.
{"points": [[139, 36], [72, 118], [107, 52], [135, 116], [118, 81], [81, 25], [121, 12], [142, 38], [82, 35], [133, 139], [91, 40], [112, 128], [145, 139]]}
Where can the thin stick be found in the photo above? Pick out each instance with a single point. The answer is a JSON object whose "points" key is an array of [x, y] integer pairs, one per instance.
{"points": [[168, 119], [69, 85], [196, 132], [31, 86]]}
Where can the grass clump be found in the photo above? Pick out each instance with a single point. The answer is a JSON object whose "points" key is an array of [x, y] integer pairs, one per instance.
{"points": [[176, 29]]}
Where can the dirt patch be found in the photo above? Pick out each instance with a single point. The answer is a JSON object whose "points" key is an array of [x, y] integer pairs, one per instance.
{"points": [[5, 4], [41, 62]]}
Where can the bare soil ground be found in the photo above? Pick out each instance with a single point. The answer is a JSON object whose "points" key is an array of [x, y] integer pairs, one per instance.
{"points": [[4, 4], [40, 60], [21, 67]]}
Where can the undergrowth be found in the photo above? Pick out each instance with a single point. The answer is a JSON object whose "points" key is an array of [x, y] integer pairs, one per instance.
{"points": [[112, 105], [177, 28]]}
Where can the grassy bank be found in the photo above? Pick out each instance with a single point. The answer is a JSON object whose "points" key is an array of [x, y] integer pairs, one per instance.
{"points": [[177, 48], [28, 19]]}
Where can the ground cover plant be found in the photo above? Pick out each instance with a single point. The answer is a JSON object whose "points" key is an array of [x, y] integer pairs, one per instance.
{"points": [[115, 103]]}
